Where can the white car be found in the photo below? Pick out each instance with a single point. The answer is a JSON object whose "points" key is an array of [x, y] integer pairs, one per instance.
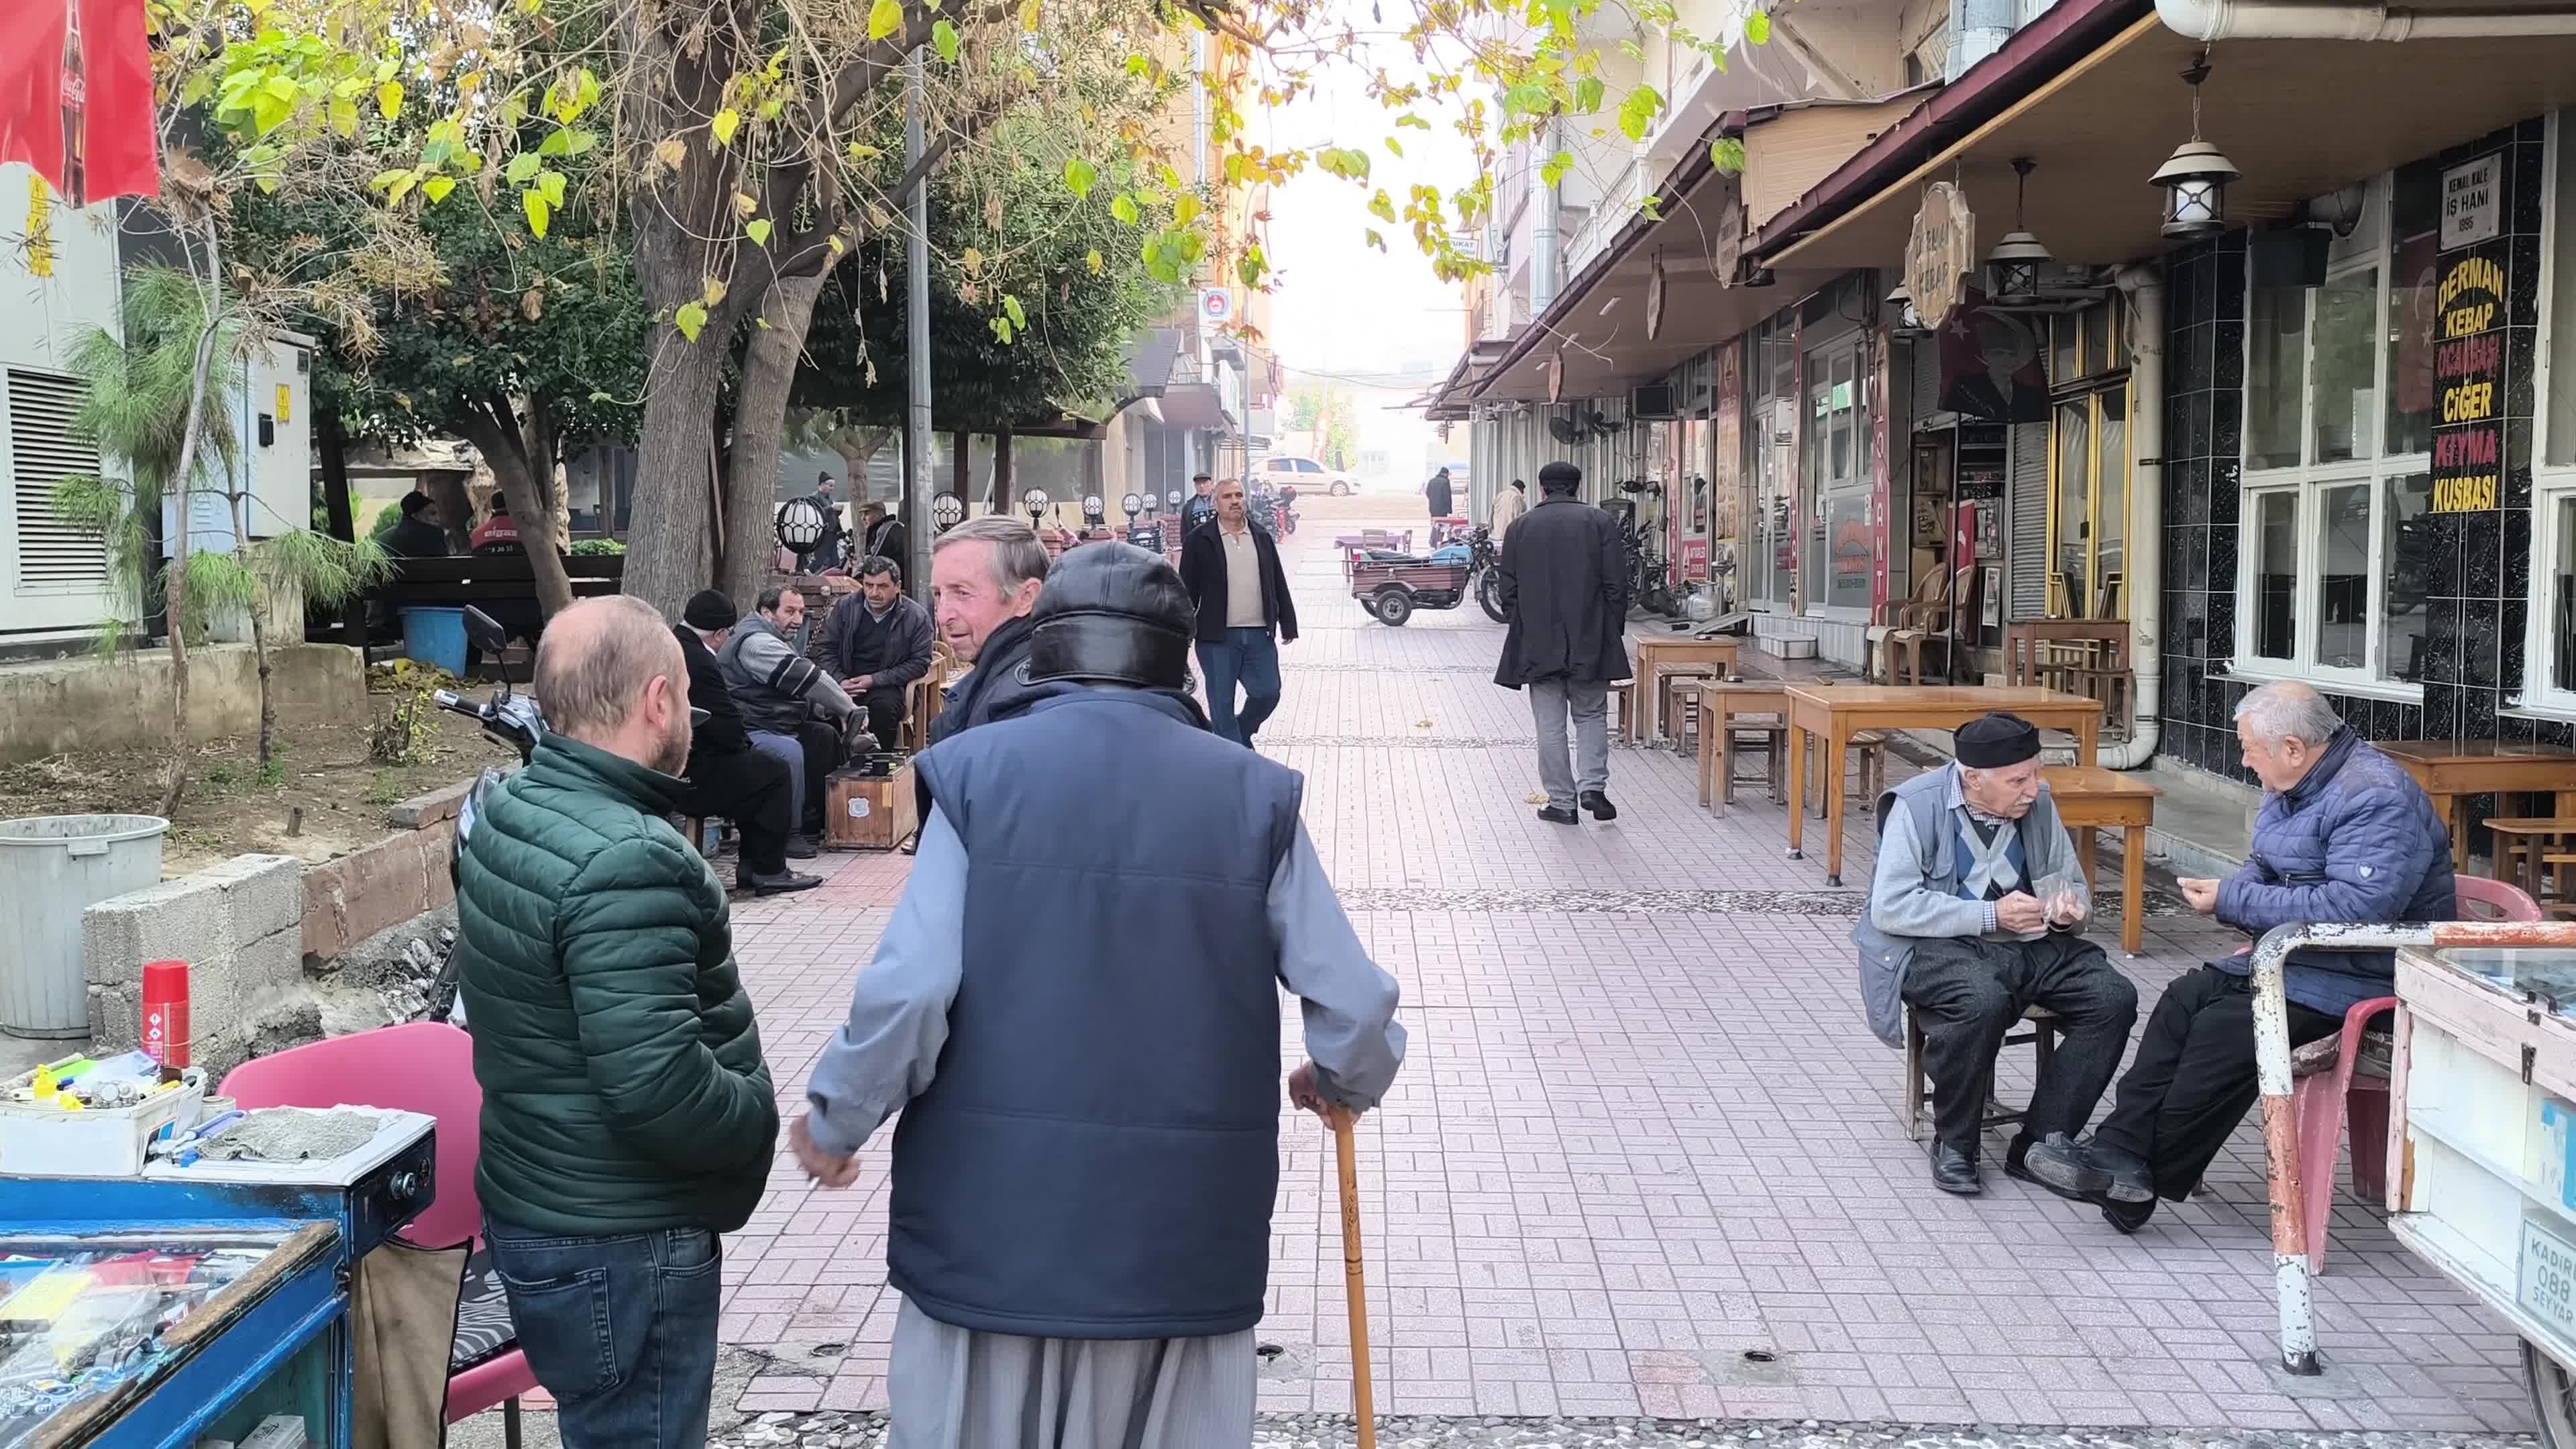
{"points": [[1307, 476]]}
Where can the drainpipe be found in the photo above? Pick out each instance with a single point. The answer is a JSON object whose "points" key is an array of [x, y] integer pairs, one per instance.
{"points": [[2145, 552], [1543, 204], [2213, 20], [1978, 28]]}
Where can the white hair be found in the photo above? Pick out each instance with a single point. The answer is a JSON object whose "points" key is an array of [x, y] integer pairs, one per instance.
{"points": [[2289, 711]]}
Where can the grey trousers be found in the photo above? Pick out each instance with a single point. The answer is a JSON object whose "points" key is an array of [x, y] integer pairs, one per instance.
{"points": [[1588, 702], [955, 1389], [789, 751]]}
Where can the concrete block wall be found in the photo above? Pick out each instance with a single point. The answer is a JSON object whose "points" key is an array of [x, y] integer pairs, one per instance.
{"points": [[240, 927]]}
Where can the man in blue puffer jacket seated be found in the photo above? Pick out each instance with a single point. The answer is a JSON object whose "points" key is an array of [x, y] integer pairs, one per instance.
{"points": [[2345, 835]]}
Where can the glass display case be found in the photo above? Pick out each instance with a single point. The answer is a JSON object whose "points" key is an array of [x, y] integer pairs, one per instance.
{"points": [[154, 1334]]}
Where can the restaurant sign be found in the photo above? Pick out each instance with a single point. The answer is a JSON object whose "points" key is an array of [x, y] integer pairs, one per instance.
{"points": [[2468, 368], [1939, 252]]}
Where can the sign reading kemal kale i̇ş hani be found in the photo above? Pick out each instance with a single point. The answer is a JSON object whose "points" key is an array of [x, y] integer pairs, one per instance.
{"points": [[2468, 368]]}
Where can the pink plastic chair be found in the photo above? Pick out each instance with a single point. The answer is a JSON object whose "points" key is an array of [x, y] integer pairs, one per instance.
{"points": [[425, 1067], [2331, 1089]]}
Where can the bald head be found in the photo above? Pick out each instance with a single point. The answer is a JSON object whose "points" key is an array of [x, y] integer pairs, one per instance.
{"points": [[610, 674], [2283, 730]]}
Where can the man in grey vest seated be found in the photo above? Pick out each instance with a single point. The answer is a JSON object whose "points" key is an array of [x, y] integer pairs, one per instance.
{"points": [[1089, 1074], [792, 708], [1975, 916]]}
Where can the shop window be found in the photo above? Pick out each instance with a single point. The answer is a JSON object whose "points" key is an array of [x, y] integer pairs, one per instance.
{"points": [[2339, 409], [2560, 601], [2089, 464], [2551, 651]]}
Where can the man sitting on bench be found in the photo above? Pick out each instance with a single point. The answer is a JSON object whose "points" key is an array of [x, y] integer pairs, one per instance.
{"points": [[1974, 917], [791, 709], [878, 643]]}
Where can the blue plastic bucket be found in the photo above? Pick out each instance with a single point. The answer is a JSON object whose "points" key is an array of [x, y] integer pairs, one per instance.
{"points": [[435, 636]]}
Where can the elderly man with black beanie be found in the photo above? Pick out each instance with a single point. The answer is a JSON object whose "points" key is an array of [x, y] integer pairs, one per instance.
{"points": [[1089, 1151], [1975, 915], [726, 775]]}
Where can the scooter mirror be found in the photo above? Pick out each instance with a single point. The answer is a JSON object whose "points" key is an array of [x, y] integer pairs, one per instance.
{"points": [[485, 633]]}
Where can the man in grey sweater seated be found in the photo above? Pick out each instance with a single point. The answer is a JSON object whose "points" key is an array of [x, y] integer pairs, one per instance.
{"points": [[792, 709], [1975, 915]]}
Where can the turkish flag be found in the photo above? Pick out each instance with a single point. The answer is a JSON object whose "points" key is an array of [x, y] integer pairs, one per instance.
{"points": [[76, 97]]}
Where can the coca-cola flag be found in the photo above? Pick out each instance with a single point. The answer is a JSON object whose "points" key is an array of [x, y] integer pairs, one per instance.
{"points": [[76, 97]]}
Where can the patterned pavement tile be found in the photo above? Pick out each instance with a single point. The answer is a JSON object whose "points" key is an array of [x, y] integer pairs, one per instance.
{"points": [[1644, 1158]]}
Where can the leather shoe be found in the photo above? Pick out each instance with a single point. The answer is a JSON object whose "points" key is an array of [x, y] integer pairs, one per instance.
{"points": [[1955, 1171], [1556, 816], [2088, 1171], [1600, 806], [2128, 1217], [800, 848], [779, 884]]}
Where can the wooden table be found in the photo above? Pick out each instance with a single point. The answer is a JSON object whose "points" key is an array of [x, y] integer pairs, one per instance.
{"points": [[2091, 799], [1645, 718], [1835, 714], [2452, 770], [1719, 702]]}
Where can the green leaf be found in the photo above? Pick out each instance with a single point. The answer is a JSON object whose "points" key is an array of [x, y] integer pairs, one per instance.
{"points": [[540, 211], [1001, 329], [1726, 153], [1251, 267], [522, 167], [1376, 239], [1011, 305], [1186, 210], [943, 38], [558, 144], [1125, 209], [690, 319], [1757, 28], [1554, 169], [402, 186], [344, 117], [384, 179], [1392, 148], [1637, 113], [437, 187], [577, 142], [389, 99], [1079, 176], [725, 123], [1587, 95], [758, 231], [1382, 206], [884, 19], [1348, 164], [551, 183]]}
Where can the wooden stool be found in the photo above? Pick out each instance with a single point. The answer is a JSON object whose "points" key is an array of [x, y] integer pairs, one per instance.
{"points": [[1760, 706], [1915, 1094], [693, 828], [1621, 713]]}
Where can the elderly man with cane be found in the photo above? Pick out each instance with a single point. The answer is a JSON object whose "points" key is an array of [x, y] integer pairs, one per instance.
{"points": [[1089, 1151]]}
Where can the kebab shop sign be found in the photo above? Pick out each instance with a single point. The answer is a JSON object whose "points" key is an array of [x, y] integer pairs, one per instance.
{"points": [[2468, 367]]}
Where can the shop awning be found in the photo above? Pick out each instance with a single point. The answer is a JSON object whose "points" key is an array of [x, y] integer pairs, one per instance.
{"points": [[1195, 405], [2300, 118]]}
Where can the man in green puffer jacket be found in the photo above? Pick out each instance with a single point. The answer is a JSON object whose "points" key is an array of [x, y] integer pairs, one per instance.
{"points": [[628, 1116]]}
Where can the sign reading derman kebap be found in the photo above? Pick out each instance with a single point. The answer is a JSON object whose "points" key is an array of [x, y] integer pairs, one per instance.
{"points": [[1939, 252], [2469, 356]]}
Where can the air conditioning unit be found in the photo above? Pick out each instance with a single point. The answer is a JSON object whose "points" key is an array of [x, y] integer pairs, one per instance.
{"points": [[1653, 402]]}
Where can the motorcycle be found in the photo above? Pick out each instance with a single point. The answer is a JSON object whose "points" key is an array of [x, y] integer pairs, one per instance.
{"points": [[1649, 582], [511, 720], [1286, 525], [1484, 577]]}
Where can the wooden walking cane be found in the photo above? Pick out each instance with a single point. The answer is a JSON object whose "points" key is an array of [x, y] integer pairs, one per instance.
{"points": [[1355, 1283]]}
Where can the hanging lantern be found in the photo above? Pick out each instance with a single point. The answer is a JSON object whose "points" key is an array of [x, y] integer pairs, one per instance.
{"points": [[2015, 262], [1909, 323], [2195, 177]]}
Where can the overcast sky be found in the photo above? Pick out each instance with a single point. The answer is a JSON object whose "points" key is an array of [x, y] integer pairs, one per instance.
{"points": [[1341, 306]]}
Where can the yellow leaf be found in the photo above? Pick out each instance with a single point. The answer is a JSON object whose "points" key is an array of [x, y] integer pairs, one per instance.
{"points": [[972, 260], [885, 18], [690, 319], [712, 293], [744, 205], [437, 187], [540, 212], [726, 122], [1029, 16], [389, 99], [672, 153], [1094, 262]]}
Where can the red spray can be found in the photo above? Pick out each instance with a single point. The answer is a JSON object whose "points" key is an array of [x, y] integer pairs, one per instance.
{"points": [[165, 1015]]}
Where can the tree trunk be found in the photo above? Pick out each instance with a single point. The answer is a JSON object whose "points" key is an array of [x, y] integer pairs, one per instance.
{"points": [[331, 446], [759, 432], [669, 548], [1005, 498], [521, 457], [174, 585]]}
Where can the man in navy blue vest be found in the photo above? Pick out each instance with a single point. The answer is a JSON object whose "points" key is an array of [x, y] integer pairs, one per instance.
{"points": [[1076, 1008]]}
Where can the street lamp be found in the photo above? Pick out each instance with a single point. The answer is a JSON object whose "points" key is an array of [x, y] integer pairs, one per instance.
{"points": [[2195, 177]]}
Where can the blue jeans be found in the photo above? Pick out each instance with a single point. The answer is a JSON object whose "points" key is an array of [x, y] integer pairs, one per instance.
{"points": [[621, 1330], [1245, 657]]}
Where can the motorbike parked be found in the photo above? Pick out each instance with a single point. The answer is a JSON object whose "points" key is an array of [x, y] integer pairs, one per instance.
{"points": [[509, 719], [1484, 578]]}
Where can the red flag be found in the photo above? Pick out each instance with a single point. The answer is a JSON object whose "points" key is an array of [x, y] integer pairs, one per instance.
{"points": [[76, 98]]}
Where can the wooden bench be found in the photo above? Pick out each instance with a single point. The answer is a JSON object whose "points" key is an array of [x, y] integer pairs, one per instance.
{"points": [[2091, 799], [474, 578], [1915, 1094]]}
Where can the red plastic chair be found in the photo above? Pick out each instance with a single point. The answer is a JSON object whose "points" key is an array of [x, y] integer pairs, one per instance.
{"points": [[425, 1067], [2331, 1089]]}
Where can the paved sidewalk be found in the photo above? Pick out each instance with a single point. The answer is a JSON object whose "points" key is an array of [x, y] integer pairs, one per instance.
{"points": [[1643, 1160]]}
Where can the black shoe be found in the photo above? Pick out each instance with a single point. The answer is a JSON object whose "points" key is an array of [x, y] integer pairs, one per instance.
{"points": [[2064, 1166], [2132, 1181], [800, 848], [1600, 806], [2015, 1166], [2128, 1217], [1955, 1171], [776, 885], [1554, 816]]}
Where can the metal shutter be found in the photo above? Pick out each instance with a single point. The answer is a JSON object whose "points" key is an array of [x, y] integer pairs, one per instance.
{"points": [[2026, 518], [1925, 353], [45, 448]]}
